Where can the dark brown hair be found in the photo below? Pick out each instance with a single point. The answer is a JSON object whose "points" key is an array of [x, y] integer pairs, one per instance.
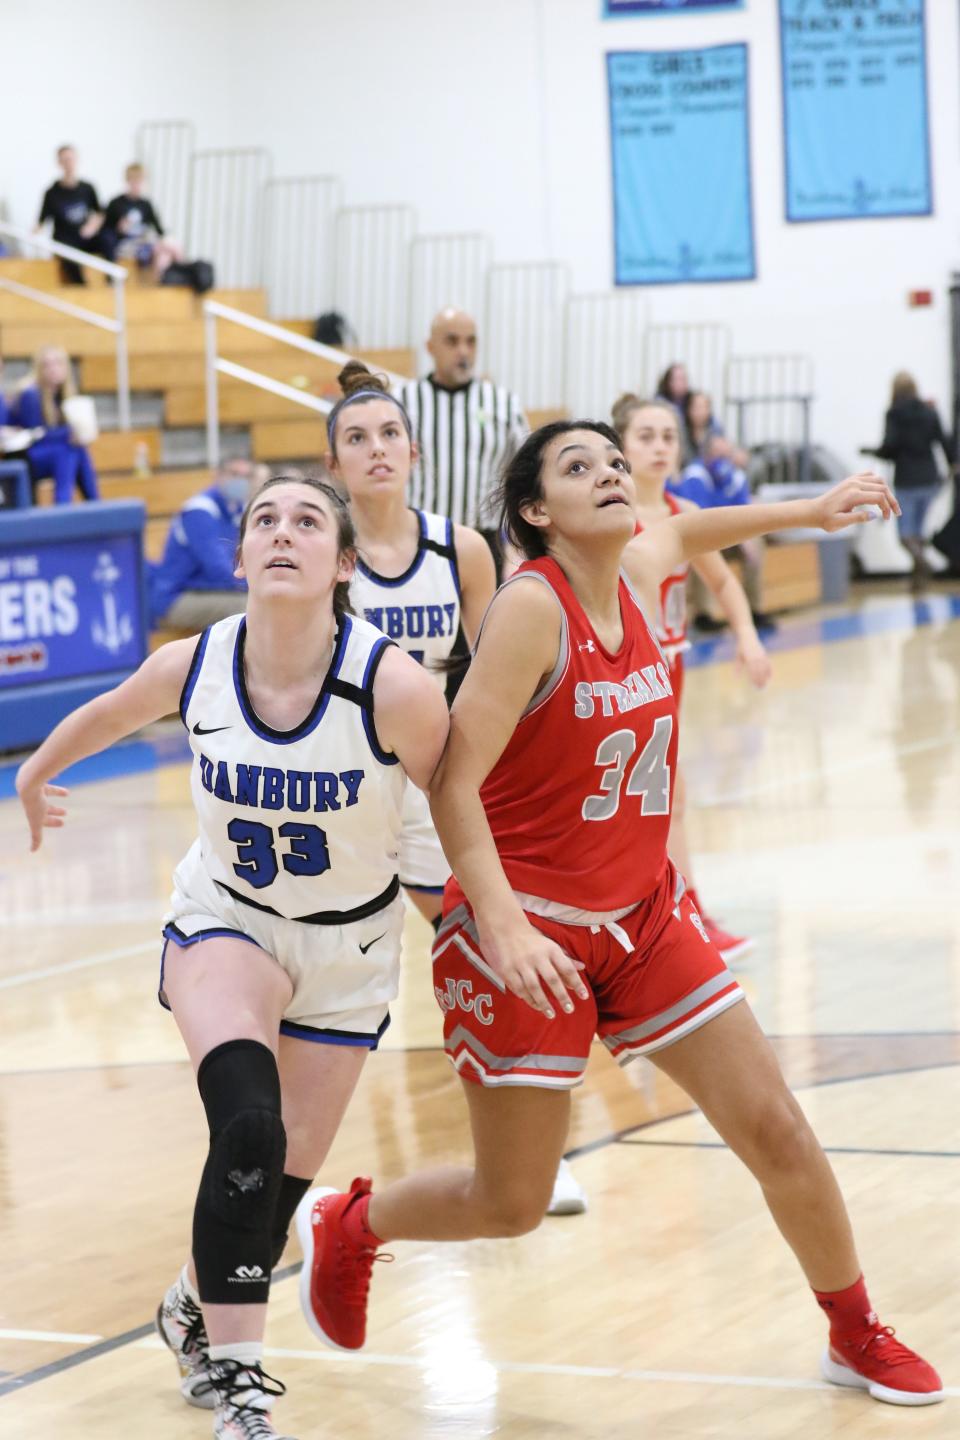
{"points": [[522, 482], [346, 537], [904, 387], [356, 380]]}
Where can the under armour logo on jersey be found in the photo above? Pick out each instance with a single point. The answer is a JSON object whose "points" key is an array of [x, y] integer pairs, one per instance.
{"points": [[587, 645]]}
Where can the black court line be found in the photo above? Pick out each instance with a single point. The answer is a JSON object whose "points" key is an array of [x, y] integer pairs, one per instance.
{"points": [[828, 1149], [103, 1347]]}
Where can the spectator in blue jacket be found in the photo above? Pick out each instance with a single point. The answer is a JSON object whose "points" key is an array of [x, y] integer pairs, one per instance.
{"points": [[194, 584], [714, 477], [14, 473], [39, 406]]}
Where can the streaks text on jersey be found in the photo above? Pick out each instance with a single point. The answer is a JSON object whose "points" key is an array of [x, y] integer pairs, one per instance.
{"points": [[266, 787], [640, 687]]}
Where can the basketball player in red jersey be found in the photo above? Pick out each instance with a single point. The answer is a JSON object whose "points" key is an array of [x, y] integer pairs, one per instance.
{"points": [[649, 433], [566, 918]]}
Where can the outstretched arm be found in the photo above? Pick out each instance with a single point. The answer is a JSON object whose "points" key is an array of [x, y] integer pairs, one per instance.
{"points": [[650, 557], [730, 595], [153, 692]]}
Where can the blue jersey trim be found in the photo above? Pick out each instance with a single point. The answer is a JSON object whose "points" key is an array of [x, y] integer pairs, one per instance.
{"points": [[298, 1031], [182, 941], [193, 674], [390, 582], [377, 653], [454, 565], [258, 726]]}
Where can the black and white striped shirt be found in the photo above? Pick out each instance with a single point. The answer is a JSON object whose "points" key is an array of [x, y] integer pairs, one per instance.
{"points": [[464, 435]]}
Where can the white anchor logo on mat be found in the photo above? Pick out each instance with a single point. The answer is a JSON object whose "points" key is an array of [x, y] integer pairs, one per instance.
{"points": [[116, 629]]}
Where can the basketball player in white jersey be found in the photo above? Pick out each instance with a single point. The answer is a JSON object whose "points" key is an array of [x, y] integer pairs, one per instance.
{"points": [[418, 577], [283, 936]]}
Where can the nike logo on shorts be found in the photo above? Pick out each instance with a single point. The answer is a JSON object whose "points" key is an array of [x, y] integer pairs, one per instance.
{"points": [[203, 730], [364, 948]]}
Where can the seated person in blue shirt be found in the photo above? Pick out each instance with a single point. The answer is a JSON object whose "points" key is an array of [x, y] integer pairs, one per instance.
{"points": [[194, 584], [38, 405], [14, 473], [713, 475]]}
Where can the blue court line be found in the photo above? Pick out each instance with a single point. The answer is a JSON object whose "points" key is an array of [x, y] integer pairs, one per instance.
{"points": [[828, 1149], [899, 614], [133, 757]]}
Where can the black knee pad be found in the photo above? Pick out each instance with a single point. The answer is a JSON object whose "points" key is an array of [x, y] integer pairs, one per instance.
{"points": [[234, 1214]]}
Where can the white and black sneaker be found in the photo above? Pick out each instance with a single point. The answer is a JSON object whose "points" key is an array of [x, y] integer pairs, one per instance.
{"points": [[569, 1196], [181, 1328], [243, 1395]]}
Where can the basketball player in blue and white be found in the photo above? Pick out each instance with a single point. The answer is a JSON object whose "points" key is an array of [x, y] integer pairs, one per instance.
{"points": [[283, 937], [418, 577]]}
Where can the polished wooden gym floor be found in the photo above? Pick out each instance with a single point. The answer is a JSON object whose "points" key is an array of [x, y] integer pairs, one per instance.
{"points": [[826, 826]]}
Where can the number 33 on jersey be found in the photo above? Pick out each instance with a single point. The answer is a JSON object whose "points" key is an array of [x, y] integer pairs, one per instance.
{"points": [[579, 801]]}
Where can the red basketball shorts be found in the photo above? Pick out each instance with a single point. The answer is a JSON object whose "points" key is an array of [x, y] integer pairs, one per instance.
{"points": [[653, 976]]}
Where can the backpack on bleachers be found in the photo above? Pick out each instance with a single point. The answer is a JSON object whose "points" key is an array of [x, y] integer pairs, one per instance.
{"points": [[198, 274]]}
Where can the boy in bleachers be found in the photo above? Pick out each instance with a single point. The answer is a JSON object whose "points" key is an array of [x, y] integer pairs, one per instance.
{"points": [[132, 228], [194, 584]]}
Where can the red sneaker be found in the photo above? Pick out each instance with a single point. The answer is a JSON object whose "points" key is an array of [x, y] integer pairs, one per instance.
{"points": [[731, 947], [335, 1279], [874, 1360]]}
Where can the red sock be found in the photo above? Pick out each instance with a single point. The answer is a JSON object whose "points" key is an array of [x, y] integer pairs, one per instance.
{"points": [[847, 1310], [357, 1226]]}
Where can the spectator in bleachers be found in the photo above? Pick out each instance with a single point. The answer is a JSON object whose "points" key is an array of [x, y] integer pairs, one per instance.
{"points": [[73, 207], [710, 477], [14, 471], [132, 228], [38, 405], [194, 584], [911, 430]]}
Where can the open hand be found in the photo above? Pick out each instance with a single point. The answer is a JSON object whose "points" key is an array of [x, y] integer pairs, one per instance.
{"points": [[753, 658], [533, 967], [42, 813], [841, 507]]}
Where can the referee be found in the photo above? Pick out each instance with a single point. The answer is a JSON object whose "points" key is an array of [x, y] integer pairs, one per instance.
{"points": [[466, 428]]}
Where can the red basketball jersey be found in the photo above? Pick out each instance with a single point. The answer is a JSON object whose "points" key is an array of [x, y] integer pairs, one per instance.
{"points": [[672, 614], [579, 801]]}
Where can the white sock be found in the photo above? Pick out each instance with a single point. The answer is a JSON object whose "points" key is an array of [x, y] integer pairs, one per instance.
{"points": [[189, 1290], [248, 1352]]}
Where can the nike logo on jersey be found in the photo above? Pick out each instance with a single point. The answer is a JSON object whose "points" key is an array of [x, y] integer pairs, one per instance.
{"points": [[640, 687], [364, 948], [213, 729]]}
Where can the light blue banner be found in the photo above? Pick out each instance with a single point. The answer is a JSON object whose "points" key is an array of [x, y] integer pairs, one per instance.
{"points": [[856, 142], [680, 145], [616, 9]]}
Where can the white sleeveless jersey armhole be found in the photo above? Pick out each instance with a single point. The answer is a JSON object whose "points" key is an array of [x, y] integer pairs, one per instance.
{"points": [[420, 609]]}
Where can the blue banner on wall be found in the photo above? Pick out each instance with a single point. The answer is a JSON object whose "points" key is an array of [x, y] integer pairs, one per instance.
{"points": [[72, 607], [856, 139], [680, 142], [614, 9]]}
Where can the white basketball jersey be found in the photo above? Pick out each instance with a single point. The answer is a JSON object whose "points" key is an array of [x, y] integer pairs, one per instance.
{"points": [[419, 609], [301, 823]]}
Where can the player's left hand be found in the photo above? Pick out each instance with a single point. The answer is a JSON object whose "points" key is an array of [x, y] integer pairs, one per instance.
{"points": [[753, 658], [41, 813], [842, 506]]}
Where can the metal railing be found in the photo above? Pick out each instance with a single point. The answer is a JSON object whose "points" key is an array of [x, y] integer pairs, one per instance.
{"points": [[226, 221], [524, 325], [772, 397], [372, 245], [298, 254], [117, 326], [603, 350], [445, 270], [217, 364], [165, 147]]}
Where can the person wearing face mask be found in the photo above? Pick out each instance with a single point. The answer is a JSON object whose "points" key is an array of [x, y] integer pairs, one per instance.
{"points": [[195, 584]]}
